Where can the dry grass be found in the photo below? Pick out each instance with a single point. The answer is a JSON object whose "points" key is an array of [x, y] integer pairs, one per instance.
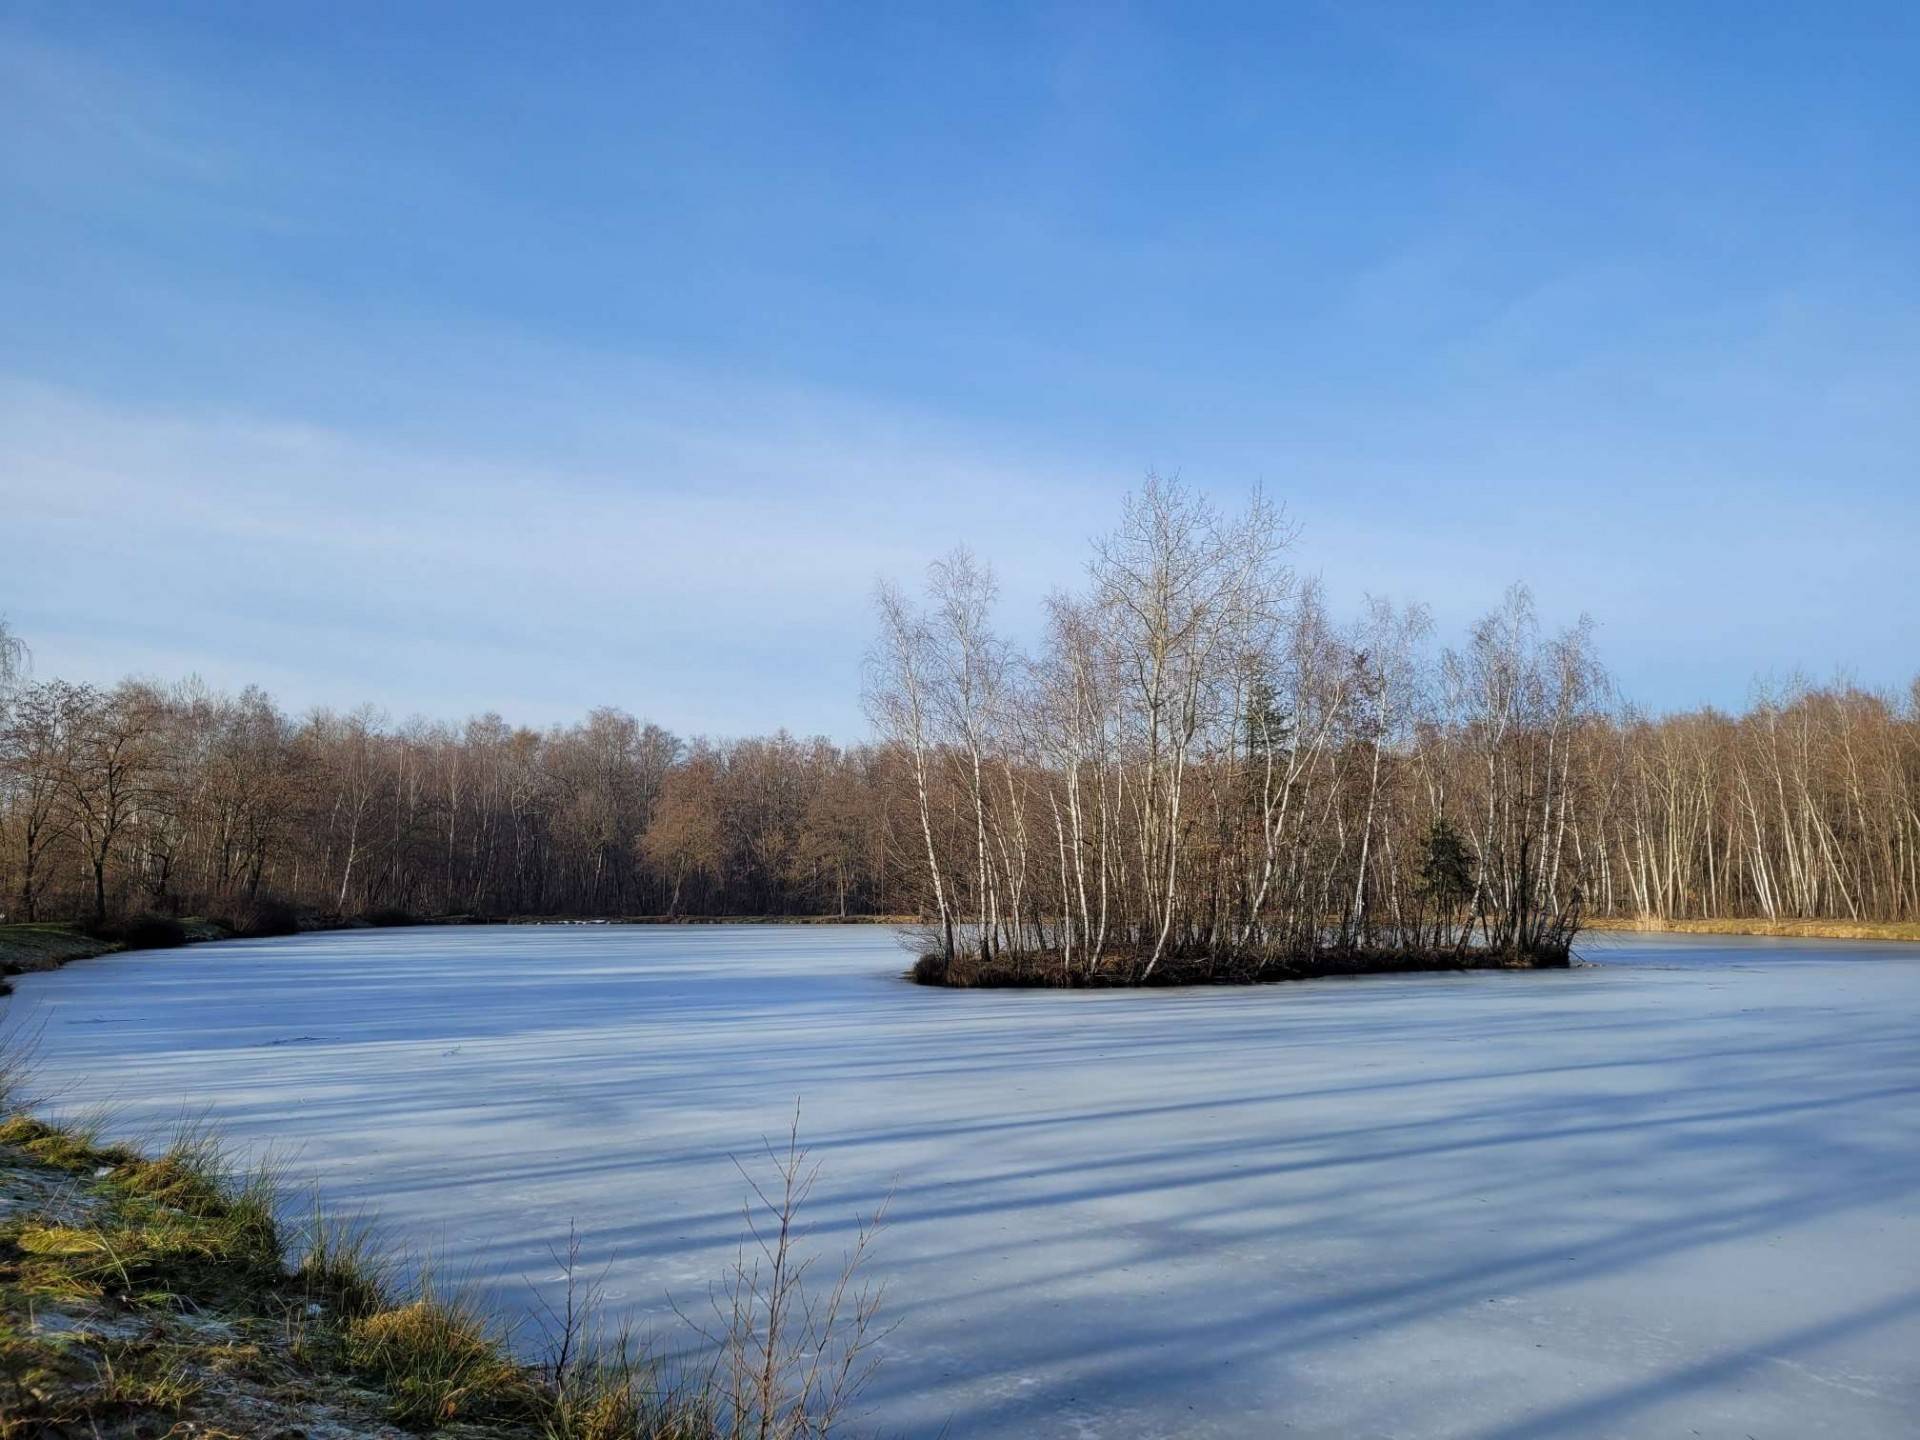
{"points": [[181, 1224], [438, 1360], [73, 1146], [1786, 929], [343, 1269], [78, 1383], [147, 1376]]}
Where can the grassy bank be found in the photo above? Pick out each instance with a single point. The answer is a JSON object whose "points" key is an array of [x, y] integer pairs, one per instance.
{"points": [[167, 1296], [27, 948], [1788, 929], [1051, 972], [148, 1296]]}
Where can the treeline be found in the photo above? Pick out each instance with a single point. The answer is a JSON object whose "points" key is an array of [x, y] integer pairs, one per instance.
{"points": [[1197, 765], [183, 801], [1806, 807], [1200, 767]]}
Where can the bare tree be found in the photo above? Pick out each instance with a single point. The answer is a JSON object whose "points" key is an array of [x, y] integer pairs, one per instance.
{"points": [[107, 768], [15, 662], [34, 746], [899, 702]]}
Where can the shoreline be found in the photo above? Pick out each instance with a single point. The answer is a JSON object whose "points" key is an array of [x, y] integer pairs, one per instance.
{"points": [[1884, 930], [37, 947], [29, 949], [203, 1320]]}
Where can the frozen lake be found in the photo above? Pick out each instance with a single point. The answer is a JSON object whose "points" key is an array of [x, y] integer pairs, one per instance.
{"points": [[1674, 1194]]}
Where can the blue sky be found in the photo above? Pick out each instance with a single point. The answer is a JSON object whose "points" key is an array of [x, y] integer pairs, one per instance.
{"points": [[467, 356]]}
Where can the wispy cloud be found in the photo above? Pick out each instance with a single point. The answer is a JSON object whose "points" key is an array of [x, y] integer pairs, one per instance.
{"points": [[533, 373], [719, 583]]}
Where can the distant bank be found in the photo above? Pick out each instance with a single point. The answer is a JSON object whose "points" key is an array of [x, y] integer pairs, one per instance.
{"points": [[25, 949], [1787, 929]]}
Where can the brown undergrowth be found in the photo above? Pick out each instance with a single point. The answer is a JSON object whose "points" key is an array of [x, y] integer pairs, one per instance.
{"points": [[1054, 972]]}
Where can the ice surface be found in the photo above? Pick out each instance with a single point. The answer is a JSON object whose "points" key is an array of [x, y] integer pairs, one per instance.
{"points": [[1675, 1194]]}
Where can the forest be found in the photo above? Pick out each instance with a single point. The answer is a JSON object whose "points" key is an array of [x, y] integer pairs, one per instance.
{"points": [[1196, 760]]}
